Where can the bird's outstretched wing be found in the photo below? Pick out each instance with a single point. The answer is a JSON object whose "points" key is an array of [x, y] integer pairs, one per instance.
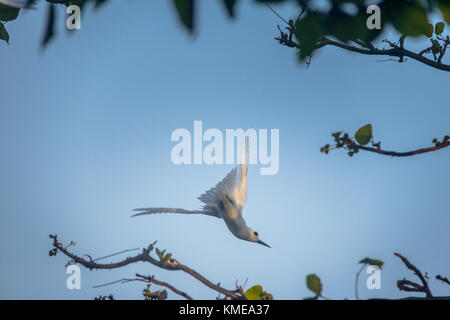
{"points": [[233, 185], [144, 211], [240, 192]]}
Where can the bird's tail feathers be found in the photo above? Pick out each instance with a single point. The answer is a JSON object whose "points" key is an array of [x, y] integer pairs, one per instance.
{"points": [[145, 211]]}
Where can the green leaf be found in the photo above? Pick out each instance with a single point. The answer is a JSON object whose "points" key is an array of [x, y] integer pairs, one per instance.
{"points": [[309, 30], [313, 283], [79, 3], [410, 19], [445, 9], [346, 27], [364, 134], [229, 5], [99, 3], [336, 135], [254, 293], [4, 35], [429, 32], [50, 25], [439, 28], [166, 258], [185, 10], [8, 13], [435, 46], [325, 149], [372, 262]]}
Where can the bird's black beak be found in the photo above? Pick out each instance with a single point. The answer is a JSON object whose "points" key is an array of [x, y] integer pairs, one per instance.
{"points": [[263, 243]]}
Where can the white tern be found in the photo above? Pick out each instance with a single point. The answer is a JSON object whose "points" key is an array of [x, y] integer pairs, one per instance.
{"points": [[224, 201]]}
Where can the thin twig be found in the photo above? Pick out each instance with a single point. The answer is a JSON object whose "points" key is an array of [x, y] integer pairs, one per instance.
{"points": [[407, 285], [115, 254], [443, 279], [270, 7], [121, 281], [356, 281]]}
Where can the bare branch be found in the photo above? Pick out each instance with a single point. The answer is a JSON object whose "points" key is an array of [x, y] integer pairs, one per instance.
{"points": [[151, 279], [443, 279], [110, 297], [368, 49], [352, 144], [145, 257], [415, 298], [148, 279], [344, 141], [411, 286], [395, 51], [156, 295]]}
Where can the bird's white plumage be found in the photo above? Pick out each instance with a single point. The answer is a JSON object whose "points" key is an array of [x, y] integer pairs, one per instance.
{"points": [[234, 185], [226, 200]]}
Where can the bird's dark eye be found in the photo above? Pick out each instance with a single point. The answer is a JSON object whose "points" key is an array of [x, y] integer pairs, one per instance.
{"points": [[255, 233]]}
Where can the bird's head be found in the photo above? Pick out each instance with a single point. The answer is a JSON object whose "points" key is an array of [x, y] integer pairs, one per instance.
{"points": [[254, 237]]}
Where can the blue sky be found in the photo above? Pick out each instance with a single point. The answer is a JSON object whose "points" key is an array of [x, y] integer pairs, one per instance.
{"points": [[85, 136]]}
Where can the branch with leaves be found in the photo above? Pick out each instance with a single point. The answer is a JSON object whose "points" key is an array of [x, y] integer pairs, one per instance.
{"points": [[315, 29], [443, 279], [349, 32], [363, 136], [164, 261], [366, 262], [438, 48], [314, 283]]}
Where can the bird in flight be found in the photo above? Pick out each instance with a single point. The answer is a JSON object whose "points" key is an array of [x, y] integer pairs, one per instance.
{"points": [[224, 201]]}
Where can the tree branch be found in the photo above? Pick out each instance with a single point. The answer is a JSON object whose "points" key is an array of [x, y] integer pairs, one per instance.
{"points": [[352, 144], [443, 279], [395, 51], [415, 298], [148, 279], [368, 49], [344, 141], [145, 257], [164, 284], [410, 286]]}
